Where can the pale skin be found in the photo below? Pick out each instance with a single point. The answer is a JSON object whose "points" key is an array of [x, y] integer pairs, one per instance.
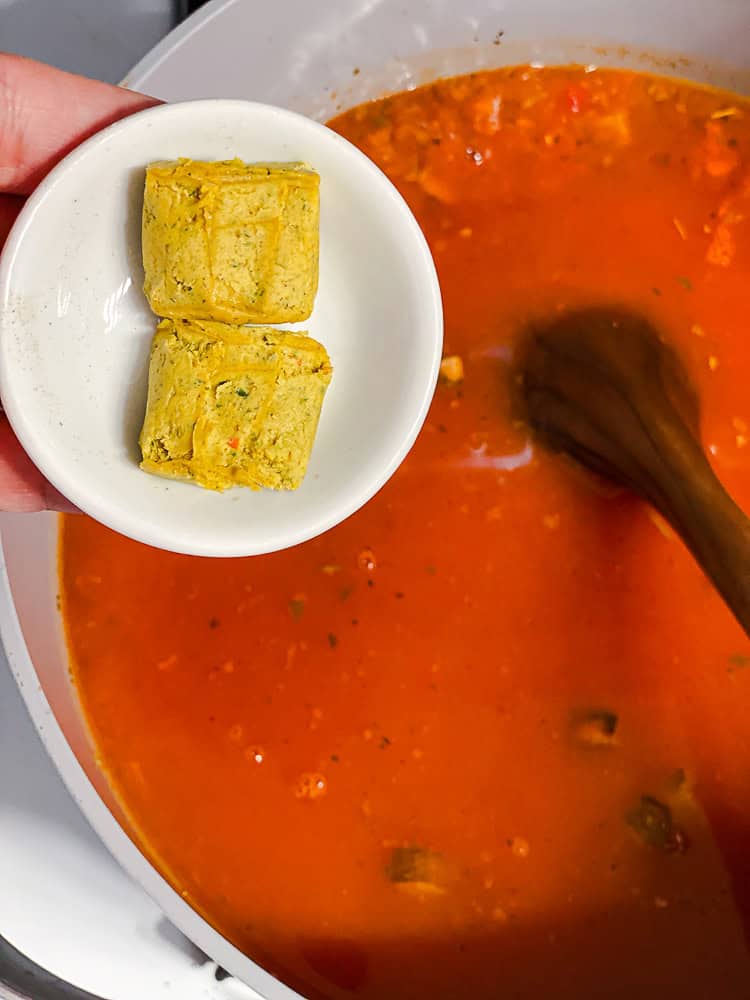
{"points": [[44, 113]]}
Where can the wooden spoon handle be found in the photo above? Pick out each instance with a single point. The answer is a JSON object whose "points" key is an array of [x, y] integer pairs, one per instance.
{"points": [[686, 491]]}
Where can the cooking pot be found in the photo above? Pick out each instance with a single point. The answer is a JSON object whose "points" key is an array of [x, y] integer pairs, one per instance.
{"points": [[304, 55]]}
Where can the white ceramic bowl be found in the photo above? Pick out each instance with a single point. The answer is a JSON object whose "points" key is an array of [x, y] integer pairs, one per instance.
{"points": [[75, 330], [301, 54]]}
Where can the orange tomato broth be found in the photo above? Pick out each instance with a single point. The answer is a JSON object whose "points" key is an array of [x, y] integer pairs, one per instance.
{"points": [[278, 727]]}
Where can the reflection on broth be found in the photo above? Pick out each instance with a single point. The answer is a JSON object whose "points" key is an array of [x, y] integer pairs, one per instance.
{"points": [[489, 736]]}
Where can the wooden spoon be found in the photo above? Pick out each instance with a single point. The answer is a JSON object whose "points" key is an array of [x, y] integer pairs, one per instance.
{"points": [[601, 385]]}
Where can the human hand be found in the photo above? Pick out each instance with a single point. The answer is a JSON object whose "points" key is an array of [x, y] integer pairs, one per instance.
{"points": [[44, 113]]}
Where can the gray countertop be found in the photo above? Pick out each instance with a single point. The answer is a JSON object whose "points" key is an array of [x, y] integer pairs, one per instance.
{"points": [[98, 38]]}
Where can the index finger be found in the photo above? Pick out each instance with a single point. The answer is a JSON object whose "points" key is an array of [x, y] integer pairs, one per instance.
{"points": [[45, 112]]}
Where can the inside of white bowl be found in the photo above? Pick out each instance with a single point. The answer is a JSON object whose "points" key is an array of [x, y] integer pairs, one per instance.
{"points": [[318, 58]]}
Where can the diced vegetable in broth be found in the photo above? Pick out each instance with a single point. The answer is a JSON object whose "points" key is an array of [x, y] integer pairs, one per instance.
{"points": [[417, 870], [595, 727], [652, 822]]}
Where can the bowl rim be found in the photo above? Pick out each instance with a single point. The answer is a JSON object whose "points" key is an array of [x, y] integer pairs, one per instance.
{"points": [[98, 814]]}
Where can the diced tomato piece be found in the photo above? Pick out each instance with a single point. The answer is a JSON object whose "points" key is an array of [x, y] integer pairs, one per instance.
{"points": [[234, 443]]}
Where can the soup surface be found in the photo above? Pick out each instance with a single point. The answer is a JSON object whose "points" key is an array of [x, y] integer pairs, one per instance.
{"points": [[491, 736]]}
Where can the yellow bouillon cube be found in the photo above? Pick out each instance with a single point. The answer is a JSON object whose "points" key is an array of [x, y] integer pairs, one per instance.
{"points": [[231, 241], [232, 406]]}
